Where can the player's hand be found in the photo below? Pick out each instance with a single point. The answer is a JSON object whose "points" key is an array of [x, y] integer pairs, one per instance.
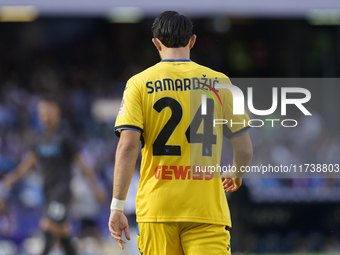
{"points": [[9, 180], [117, 223], [231, 184], [58, 230], [100, 195]]}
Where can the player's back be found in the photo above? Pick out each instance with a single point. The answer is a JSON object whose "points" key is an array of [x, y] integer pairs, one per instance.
{"points": [[164, 104]]}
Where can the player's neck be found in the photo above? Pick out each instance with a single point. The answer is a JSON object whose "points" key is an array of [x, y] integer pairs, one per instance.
{"points": [[52, 129], [176, 53]]}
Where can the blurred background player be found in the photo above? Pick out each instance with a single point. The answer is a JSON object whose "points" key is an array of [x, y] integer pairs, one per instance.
{"points": [[179, 211], [54, 151]]}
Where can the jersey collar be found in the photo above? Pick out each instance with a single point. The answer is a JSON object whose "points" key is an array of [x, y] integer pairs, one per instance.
{"points": [[176, 60]]}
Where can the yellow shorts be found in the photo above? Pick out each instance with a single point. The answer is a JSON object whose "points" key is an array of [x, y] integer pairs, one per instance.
{"points": [[179, 238]]}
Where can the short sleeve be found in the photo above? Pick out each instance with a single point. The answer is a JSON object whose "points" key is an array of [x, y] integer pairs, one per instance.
{"points": [[236, 124], [130, 115], [33, 147], [34, 143]]}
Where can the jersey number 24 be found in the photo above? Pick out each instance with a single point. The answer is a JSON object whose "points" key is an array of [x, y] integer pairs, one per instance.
{"points": [[207, 138]]}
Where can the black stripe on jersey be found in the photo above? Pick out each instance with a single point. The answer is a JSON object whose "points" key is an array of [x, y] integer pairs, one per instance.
{"points": [[229, 134], [122, 127]]}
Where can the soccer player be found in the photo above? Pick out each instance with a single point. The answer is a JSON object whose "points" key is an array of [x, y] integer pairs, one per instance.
{"points": [[54, 152], [180, 210]]}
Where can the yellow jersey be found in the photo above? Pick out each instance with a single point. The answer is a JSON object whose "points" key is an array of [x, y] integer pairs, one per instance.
{"points": [[179, 140]]}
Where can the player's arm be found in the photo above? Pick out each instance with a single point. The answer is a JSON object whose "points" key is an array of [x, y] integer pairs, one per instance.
{"points": [[23, 168], [126, 156], [243, 154], [100, 195]]}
